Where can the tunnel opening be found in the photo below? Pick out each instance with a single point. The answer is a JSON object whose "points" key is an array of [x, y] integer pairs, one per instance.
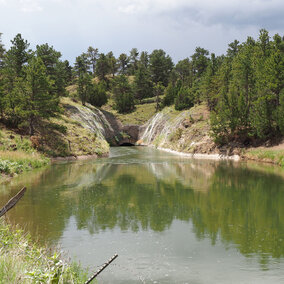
{"points": [[127, 144]]}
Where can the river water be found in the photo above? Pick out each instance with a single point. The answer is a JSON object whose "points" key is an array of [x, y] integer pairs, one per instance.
{"points": [[170, 219]]}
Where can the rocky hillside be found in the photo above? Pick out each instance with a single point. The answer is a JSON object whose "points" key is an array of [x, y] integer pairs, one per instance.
{"points": [[186, 131]]}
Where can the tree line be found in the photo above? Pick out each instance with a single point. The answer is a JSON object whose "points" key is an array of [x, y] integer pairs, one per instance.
{"points": [[243, 89]]}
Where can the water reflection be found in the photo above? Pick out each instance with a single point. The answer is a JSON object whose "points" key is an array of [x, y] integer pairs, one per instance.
{"points": [[144, 189]]}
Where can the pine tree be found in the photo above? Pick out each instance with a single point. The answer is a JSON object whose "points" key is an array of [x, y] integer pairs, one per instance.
{"points": [[161, 66], [19, 54], [143, 85], [98, 96], [123, 95], [2, 51], [123, 62], [84, 87], [93, 55], [103, 67], [35, 97]]}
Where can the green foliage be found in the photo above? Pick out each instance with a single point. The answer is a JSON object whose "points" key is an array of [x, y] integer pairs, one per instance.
{"points": [[36, 96], [123, 62], [200, 61], [2, 51], [143, 85], [18, 55], [11, 162], [158, 91], [184, 99], [22, 261], [112, 63], [247, 84], [171, 93], [123, 94], [85, 87], [133, 61], [93, 54], [98, 95], [160, 66], [103, 67]]}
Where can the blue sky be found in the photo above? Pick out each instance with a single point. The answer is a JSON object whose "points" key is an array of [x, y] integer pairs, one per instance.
{"points": [[177, 26]]}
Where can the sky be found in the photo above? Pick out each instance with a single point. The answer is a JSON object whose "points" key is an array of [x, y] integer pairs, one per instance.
{"points": [[176, 26]]}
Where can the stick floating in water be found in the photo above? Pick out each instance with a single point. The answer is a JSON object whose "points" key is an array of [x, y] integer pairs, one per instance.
{"points": [[13, 201], [101, 269]]}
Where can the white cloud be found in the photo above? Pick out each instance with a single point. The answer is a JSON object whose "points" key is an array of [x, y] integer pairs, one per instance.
{"points": [[177, 26], [30, 5]]}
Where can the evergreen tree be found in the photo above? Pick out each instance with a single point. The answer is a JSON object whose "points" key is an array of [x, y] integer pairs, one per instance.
{"points": [[123, 62], [2, 51], [35, 97], [199, 61], [158, 90], [103, 67], [233, 48], [171, 93], [123, 95], [184, 99], [98, 95], [81, 64], [133, 61], [184, 70], [143, 86], [54, 67], [144, 59], [93, 54], [84, 87], [18, 55], [113, 66], [161, 66]]}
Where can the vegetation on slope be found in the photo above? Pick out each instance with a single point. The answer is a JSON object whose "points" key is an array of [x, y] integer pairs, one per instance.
{"points": [[17, 154], [140, 115], [22, 261]]}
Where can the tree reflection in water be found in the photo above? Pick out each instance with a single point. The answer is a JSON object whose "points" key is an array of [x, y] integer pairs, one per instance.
{"points": [[226, 201]]}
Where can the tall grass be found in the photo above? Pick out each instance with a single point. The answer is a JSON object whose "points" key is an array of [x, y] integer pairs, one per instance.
{"points": [[22, 261], [272, 156], [12, 162]]}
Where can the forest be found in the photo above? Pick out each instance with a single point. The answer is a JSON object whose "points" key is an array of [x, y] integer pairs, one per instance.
{"points": [[243, 89]]}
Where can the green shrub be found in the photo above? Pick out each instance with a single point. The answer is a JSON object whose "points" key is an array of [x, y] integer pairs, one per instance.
{"points": [[22, 261]]}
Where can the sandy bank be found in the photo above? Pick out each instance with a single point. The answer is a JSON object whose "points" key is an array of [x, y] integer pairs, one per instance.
{"points": [[235, 158]]}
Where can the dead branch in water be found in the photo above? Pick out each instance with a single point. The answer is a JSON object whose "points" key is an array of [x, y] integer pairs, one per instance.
{"points": [[101, 269], [13, 201]]}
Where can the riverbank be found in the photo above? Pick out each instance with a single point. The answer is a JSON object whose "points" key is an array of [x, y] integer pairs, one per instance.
{"points": [[17, 162], [202, 156], [23, 261]]}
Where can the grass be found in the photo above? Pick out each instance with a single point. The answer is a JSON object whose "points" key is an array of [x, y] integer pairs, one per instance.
{"points": [[139, 116], [22, 261], [17, 154], [269, 155], [17, 162]]}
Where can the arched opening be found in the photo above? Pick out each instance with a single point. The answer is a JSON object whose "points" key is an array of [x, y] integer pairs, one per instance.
{"points": [[127, 144]]}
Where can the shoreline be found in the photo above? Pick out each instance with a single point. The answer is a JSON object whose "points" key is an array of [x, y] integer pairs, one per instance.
{"points": [[235, 158], [78, 158]]}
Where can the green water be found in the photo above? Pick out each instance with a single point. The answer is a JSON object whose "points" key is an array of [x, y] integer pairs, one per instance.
{"points": [[170, 219]]}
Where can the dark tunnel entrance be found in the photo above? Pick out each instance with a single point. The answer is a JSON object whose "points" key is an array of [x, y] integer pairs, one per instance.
{"points": [[127, 144]]}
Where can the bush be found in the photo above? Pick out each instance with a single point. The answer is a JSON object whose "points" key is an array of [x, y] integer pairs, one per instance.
{"points": [[184, 99], [98, 95], [27, 262], [123, 95]]}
